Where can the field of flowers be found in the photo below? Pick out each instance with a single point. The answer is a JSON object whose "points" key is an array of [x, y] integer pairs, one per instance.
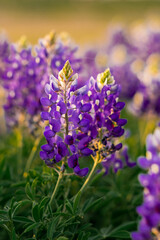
{"points": [[80, 137]]}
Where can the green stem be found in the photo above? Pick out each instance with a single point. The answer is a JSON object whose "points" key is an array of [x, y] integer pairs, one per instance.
{"points": [[56, 188], [32, 154], [90, 174]]}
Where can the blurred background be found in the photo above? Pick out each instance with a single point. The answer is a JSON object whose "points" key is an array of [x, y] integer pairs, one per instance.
{"points": [[85, 20]]}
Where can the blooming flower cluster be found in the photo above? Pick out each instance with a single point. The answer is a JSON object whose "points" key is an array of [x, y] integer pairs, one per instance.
{"points": [[25, 72], [150, 209], [82, 122]]}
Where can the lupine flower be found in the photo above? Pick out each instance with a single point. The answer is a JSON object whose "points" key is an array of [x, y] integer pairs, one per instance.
{"points": [[26, 72], [150, 209], [82, 121]]}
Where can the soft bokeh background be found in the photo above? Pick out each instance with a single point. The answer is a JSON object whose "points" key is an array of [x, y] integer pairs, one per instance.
{"points": [[85, 21]]}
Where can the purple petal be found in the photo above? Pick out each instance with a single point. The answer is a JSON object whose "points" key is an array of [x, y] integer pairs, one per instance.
{"points": [[109, 125], [86, 107], [58, 157], [114, 116], [62, 107], [69, 140], [122, 122], [119, 105], [46, 147], [73, 161], [81, 172], [143, 162], [43, 155], [49, 133], [45, 115], [45, 101], [86, 151], [56, 126]]}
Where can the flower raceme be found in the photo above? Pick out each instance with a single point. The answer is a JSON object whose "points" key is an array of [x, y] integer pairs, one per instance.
{"points": [[150, 209], [25, 72], [81, 122]]}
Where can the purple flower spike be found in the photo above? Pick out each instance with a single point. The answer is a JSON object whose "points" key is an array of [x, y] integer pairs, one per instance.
{"points": [[82, 122], [150, 209]]}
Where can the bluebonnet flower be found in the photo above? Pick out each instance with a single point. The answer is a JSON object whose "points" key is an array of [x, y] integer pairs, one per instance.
{"points": [[26, 71], [150, 209], [82, 122]]}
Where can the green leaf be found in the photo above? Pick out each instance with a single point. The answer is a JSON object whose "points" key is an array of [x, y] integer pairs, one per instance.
{"points": [[125, 226], [44, 202], [104, 231], [35, 212], [52, 227], [20, 204], [22, 219], [2, 212], [5, 227], [92, 204], [33, 187], [42, 205], [76, 201], [13, 234], [28, 191], [120, 234], [69, 206], [62, 238], [34, 225]]}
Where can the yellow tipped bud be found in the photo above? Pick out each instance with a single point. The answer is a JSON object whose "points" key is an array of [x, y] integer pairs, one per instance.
{"points": [[105, 78], [66, 72]]}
